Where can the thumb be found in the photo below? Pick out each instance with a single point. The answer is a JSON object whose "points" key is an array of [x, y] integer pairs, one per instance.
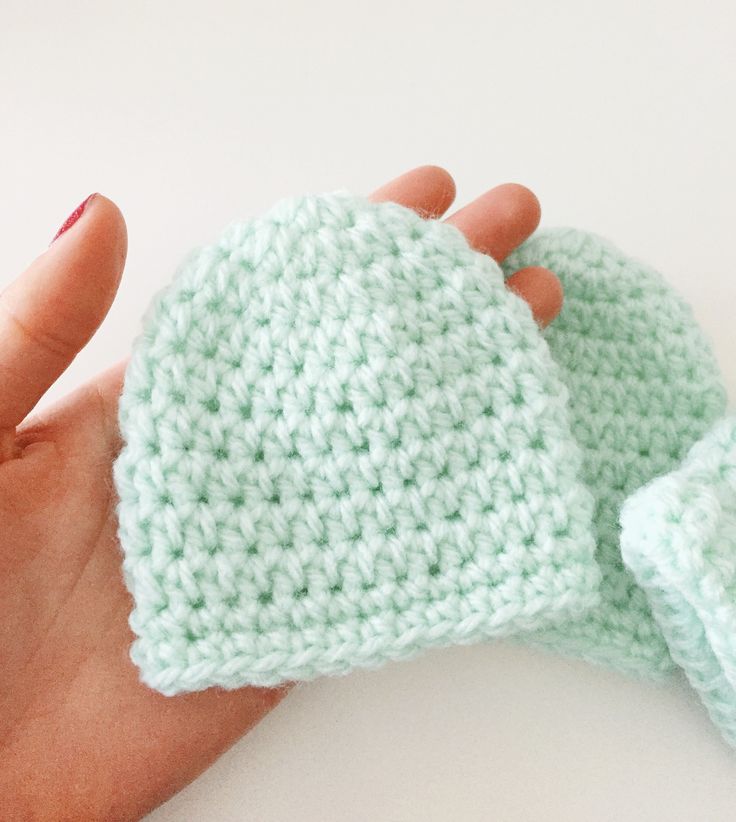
{"points": [[52, 310]]}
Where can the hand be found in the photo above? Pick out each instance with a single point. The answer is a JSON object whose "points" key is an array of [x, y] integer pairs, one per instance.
{"points": [[80, 736]]}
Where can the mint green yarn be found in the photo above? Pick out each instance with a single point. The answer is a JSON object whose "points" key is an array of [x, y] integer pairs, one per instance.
{"points": [[644, 386], [679, 539], [344, 441]]}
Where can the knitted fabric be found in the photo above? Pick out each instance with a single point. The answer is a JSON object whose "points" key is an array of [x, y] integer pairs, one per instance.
{"points": [[344, 441], [679, 539], [644, 386]]}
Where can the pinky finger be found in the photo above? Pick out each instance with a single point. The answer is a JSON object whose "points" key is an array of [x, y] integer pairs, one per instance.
{"points": [[541, 289]]}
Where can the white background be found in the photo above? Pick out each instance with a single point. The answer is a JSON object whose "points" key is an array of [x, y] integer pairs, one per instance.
{"points": [[620, 115]]}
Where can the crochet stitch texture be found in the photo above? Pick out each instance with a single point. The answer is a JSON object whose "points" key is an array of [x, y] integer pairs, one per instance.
{"points": [[679, 539], [644, 386], [344, 441]]}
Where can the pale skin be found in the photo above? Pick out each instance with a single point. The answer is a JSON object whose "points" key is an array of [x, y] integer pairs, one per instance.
{"points": [[80, 737]]}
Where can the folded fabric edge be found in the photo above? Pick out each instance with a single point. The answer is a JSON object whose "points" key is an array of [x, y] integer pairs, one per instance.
{"points": [[676, 610]]}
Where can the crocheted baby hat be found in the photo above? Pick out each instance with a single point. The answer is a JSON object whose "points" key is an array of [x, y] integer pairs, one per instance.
{"points": [[679, 539], [644, 386], [344, 441]]}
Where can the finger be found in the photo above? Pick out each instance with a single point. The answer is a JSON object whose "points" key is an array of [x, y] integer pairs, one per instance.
{"points": [[499, 220], [95, 401], [428, 190], [541, 289], [50, 312]]}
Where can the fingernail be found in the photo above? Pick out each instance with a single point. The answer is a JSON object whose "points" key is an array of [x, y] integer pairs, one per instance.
{"points": [[72, 218]]}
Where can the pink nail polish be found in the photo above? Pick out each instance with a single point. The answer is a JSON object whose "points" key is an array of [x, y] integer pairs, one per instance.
{"points": [[72, 218]]}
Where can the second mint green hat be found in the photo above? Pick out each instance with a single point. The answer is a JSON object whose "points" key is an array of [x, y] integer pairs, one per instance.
{"points": [[644, 386]]}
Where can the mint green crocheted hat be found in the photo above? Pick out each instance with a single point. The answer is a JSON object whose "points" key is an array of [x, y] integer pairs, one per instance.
{"points": [[644, 386], [344, 441], [679, 539]]}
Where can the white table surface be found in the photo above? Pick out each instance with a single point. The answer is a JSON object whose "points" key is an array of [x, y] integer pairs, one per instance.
{"points": [[619, 115]]}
